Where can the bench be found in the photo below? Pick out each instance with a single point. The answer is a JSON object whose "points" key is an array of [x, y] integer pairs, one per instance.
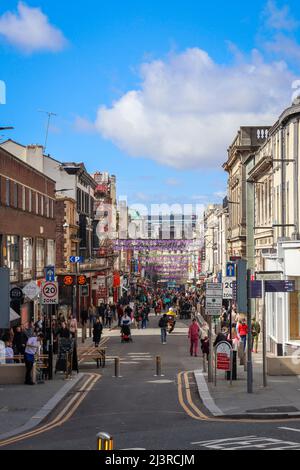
{"points": [[99, 355]]}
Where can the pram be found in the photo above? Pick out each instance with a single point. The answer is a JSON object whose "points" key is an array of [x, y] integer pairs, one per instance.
{"points": [[126, 334]]}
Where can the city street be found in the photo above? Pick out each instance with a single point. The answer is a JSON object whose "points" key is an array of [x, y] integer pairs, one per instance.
{"points": [[141, 411]]}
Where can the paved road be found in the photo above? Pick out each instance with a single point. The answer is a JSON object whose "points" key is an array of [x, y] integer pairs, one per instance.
{"points": [[146, 412]]}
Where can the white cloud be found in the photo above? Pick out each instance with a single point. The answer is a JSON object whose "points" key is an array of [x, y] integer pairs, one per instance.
{"points": [[188, 108], [279, 18], [284, 46], [30, 30]]}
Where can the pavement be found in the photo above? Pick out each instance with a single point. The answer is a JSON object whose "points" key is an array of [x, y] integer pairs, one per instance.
{"points": [[280, 399], [23, 407], [142, 411]]}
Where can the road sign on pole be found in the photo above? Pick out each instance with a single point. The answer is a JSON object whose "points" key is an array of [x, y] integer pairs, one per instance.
{"points": [[49, 293], [228, 287], [31, 290], [50, 273], [230, 269]]}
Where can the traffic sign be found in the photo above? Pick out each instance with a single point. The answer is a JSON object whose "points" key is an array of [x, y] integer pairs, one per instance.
{"points": [[31, 290], [16, 293], [49, 293], [76, 259], [68, 280], [214, 302], [255, 290], [269, 275], [280, 286], [228, 287], [50, 273], [230, 269], [81, 280]]}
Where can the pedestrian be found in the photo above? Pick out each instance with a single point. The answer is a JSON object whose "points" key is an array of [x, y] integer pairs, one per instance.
{"points": [[243, 331], [64, 331], [33, 346], [163, 325], [9, 352], [108, 317], [72, 324], [194, 331], [144, 316], [97, 332], [255, 330], [92, 316], [222, 336], [19, 342], [205, 347]]}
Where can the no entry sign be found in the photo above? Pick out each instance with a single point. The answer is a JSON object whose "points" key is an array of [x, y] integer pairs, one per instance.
{"points": [[50, 293]]}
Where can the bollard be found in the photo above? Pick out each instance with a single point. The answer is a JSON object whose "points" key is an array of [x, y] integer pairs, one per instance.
{"points": [[158, 367], [104, 441], [117, 368]]}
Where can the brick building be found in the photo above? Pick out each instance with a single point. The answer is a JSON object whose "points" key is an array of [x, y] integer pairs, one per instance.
{"points": [[27, 225]]}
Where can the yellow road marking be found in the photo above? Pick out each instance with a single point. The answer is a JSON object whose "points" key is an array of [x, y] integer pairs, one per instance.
{"points": [[201, 416], [59, 420]]}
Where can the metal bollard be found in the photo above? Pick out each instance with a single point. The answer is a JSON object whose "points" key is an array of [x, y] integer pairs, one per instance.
{"points": [[158, 367], [104, 441], [117, 368]]}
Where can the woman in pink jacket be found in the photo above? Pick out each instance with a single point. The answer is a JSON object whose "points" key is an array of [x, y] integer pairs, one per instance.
{"points": [[194, 330]]}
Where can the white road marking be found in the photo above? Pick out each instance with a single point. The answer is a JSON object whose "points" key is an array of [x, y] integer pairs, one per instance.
{"points": [[160, 381], [244, 442], [290, 429]]}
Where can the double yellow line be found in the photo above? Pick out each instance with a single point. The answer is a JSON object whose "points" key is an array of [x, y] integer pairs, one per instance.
{"points": [[186, 401], [62, 417]]}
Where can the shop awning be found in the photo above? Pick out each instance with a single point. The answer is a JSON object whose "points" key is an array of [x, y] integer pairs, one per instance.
{"points": [[13, 315]]}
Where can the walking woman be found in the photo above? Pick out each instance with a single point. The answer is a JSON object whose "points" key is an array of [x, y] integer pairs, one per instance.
{"points": [[194, 331], [97, 332]]}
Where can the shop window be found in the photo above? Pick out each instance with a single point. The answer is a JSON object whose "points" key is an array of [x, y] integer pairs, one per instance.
{"points": [[295, 312]]}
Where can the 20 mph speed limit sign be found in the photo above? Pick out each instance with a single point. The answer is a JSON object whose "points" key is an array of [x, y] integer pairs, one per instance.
{"points": [[49, 293], [227, 287]]}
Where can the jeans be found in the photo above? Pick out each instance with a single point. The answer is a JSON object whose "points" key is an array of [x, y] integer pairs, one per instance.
{"points": [[144, 324], [163, 335], [244, 340], [29, 367]]}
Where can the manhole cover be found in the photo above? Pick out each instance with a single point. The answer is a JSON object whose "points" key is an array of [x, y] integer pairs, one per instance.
{"points": [[275, 409]]}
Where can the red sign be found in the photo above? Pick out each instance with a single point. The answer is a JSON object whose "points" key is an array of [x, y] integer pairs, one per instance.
{"points": [[117, 280], [223, 361]]}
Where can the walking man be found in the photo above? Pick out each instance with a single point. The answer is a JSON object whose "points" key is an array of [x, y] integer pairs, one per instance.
{"points": [[163, 324], [255, 327], [32, 347], [194, 331]]}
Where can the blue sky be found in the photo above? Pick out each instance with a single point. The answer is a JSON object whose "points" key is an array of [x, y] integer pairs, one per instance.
{"points": [[163, 128]]}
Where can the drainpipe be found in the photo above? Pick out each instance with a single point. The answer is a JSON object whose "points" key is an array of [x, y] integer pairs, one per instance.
{"points": [[283, 172], [295, 235]]}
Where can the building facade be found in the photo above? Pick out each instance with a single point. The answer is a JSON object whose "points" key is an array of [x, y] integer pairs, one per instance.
{"points": [[27, 226]]}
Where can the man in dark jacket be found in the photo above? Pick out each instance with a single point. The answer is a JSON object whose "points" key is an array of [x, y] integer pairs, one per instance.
{"points": [[163, 325]]}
